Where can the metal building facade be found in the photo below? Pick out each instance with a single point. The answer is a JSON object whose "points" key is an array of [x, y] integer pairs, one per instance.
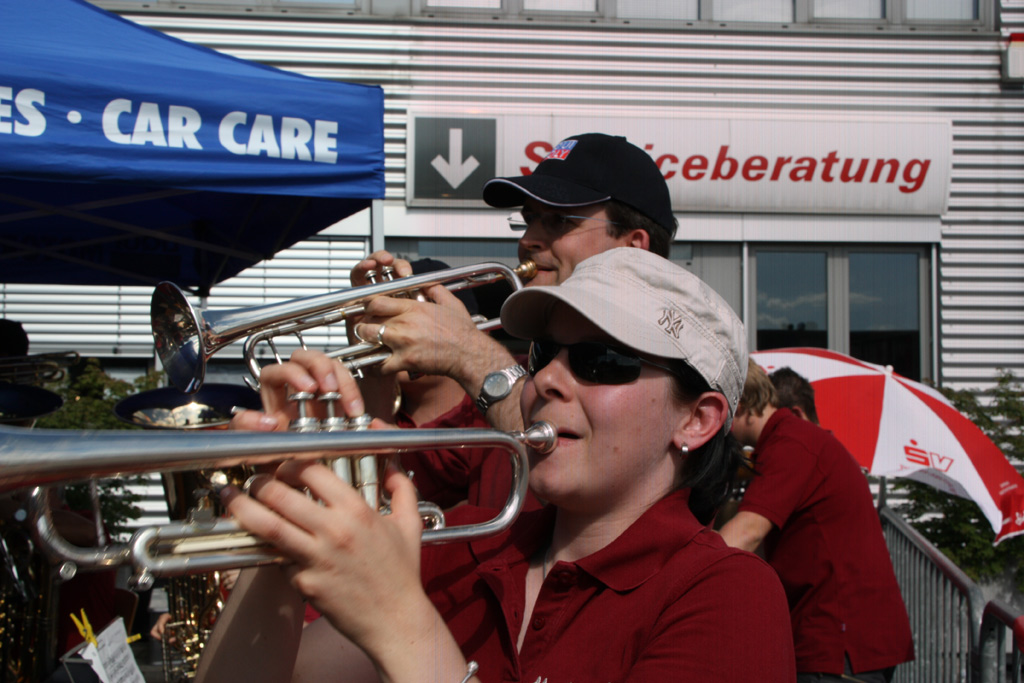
{"points": [[579, 67]]}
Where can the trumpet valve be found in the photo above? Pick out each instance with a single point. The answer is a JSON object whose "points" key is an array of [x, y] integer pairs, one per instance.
{"points": [[333, 422], [304, 422]]}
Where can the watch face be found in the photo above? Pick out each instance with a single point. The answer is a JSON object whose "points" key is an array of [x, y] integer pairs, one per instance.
{"points": [[496, 385]]}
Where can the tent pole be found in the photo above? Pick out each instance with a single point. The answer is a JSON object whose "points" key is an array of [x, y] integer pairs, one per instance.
{"points": [[376, 225]]}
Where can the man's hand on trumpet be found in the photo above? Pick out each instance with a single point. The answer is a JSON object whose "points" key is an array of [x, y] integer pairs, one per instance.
{"points": [[436, 337]]}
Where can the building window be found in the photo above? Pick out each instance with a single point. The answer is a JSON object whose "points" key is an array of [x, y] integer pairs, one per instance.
{"points": [[870, 303], [752, 10], [923, 10], [658, 9], [885, 320], [792, 306], [849, 9], [474, 4], [560, 5]]}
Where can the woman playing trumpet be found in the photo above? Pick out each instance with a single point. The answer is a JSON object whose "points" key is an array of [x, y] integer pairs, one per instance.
{"points": [[640, 365]]}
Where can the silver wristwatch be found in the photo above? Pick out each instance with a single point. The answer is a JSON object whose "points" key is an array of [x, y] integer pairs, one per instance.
{"points": [[498, 385]]}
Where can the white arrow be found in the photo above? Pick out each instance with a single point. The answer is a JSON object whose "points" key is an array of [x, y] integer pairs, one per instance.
{"points": [[456, 170]]}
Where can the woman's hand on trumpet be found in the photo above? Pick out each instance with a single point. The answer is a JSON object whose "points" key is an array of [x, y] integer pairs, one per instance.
{"points": [[306, 371], [350, 562], [376, 261]]}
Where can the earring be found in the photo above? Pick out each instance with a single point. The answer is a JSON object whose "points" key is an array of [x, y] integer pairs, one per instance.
{"points": [[684, 449]]}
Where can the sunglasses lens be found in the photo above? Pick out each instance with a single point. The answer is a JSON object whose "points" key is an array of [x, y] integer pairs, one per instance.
{"points": [[590, 361], [603, 364], [541, 353]]}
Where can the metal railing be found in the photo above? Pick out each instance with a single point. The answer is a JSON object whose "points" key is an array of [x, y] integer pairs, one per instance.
{"points": [[1001, 663], [958, 637], [944, 605]]}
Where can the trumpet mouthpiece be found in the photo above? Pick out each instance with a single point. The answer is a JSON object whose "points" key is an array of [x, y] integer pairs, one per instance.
{"points": [[527, 270]]}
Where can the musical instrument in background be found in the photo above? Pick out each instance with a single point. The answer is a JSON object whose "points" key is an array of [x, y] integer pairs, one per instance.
{"points": [[193, 601], [21, 405], [28, 588], [36, 369], [167, 408], [186, 338]]}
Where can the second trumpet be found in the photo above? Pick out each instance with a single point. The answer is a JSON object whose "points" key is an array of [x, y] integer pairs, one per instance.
{"points": [[186, 338]]}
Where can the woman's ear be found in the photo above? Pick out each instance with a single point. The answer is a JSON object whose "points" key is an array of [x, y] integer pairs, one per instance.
{"points": [[705, 418]]}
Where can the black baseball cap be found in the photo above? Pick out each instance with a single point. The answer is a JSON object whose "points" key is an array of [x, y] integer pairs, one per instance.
{"points": [[589, 169]]}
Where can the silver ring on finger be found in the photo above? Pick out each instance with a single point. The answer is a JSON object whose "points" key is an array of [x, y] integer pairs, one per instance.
{"points": [[380, 334]]}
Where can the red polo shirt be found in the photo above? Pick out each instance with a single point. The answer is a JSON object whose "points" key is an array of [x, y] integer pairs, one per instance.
{"points": [[666, 601], [481, 476], [827, 547]]}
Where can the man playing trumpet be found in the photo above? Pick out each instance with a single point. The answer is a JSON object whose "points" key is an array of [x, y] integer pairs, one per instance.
{"points": [[640, 365], [592, 193]]}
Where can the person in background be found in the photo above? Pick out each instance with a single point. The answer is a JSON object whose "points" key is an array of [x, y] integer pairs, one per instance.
{"points": [[810, 504], [481, 476], [795, 393], [592, 193], [640, 365], [13, 339]]}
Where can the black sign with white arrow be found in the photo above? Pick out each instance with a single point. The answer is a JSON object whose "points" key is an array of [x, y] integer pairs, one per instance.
{"points": [[452, 158]]}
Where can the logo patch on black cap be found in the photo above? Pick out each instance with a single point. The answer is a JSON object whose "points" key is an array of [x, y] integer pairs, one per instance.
{"points": [[561, 150]]}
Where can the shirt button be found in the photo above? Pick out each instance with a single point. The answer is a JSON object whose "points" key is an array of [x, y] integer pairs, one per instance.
{"points": [[538, 623], [565, 578]]}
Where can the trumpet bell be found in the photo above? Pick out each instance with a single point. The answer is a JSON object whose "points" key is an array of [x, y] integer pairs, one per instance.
{"points": [[177, 332], [167, 408], [21, 405]]}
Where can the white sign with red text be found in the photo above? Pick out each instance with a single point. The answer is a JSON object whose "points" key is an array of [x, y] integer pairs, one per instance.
{"points": [[767, 164]]}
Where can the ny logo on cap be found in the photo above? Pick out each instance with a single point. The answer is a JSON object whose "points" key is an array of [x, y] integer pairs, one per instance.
{"points": [[561, 150], [671, 321]]}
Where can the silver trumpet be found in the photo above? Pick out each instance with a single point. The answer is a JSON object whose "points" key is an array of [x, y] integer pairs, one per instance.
{"points": [[35, 459], [186, 338]]}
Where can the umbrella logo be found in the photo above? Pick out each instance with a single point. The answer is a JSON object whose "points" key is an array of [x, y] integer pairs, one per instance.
{"points": [[921, 457], [671, 321]]}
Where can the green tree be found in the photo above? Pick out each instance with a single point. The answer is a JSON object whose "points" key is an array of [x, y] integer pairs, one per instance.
{"points": [[90, 395], [956, 525]]}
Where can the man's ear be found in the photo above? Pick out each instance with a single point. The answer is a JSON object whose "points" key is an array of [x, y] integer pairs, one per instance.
{"points": [[800, 413], [705, 418], [640, 239]]}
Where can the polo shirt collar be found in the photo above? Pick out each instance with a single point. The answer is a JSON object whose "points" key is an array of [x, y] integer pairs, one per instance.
{"points": [[627, 562], [646, 546]]}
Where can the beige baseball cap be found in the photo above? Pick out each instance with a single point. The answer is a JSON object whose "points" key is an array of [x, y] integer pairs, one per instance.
{"points": [[649, 304]]}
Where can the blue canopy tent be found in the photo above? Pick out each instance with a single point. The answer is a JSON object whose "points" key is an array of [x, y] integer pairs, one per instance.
{"points": [[130, 157]]}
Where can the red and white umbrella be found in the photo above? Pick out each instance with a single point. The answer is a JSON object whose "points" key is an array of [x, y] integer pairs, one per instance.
{"points": [[897, 427]]}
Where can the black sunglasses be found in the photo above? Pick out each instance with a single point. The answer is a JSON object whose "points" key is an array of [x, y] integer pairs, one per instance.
{"points": [[595, 362]]}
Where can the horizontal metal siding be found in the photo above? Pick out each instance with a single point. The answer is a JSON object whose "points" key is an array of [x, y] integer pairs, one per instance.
{"points": [[115, 321], [579, 68]]}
